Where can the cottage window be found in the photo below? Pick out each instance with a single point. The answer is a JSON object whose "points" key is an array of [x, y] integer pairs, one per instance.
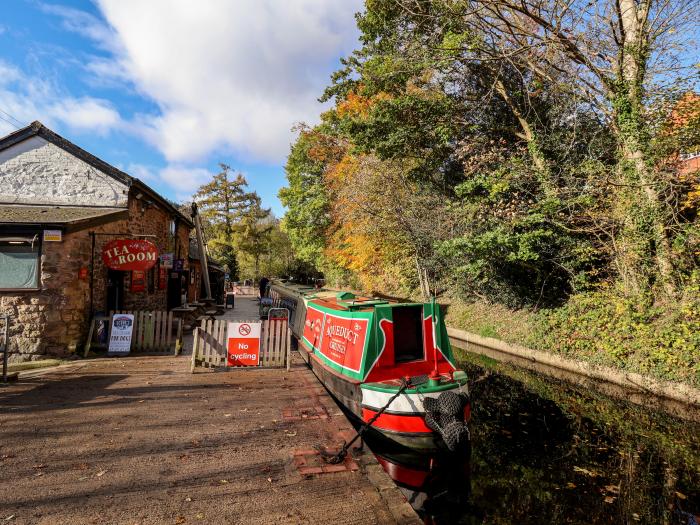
{"points": [[19, 262]]}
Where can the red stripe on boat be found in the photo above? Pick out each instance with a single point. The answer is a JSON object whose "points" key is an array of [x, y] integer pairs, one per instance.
{"points": [[409, 477], [396, 423]]}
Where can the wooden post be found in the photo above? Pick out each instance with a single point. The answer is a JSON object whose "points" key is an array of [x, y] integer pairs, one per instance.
{"points": [[89, 338], [289, 348], [178, 337], [195, 347]]}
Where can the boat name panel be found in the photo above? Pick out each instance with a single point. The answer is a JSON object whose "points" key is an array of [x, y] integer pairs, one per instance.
{"points": [[339, 339]]}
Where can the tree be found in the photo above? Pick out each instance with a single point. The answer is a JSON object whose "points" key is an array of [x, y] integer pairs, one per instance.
{"points": [[252, 231], [221, 204], [610, 54]]}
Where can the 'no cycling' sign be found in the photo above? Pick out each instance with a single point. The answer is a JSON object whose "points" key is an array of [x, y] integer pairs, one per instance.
{"points": [[243, 344]]}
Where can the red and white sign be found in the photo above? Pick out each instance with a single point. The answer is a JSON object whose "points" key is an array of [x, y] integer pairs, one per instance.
{"points": [[130, 254], [344, 341], [243, 344]]}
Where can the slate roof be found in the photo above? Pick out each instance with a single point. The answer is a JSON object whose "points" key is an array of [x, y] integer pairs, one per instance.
{"points": [[16, 214], [36, 128]]}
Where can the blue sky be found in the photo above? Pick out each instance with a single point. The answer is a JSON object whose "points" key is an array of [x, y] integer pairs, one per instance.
{"points": [[166, 89]]}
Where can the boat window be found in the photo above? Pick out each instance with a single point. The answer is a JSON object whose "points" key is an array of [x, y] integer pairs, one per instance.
{"points": [[408, 333]]}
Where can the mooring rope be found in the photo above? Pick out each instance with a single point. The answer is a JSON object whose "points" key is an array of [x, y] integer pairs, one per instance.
{"points": [[340, 456]]}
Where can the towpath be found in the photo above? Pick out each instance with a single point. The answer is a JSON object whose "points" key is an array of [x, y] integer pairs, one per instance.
{"points": [[140, 440]]}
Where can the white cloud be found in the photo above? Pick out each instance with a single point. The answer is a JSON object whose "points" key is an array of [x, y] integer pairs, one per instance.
{"points": [[86, 114], [29, 98], [85, 24], [226, 75], [184, 180], [141, 172]]}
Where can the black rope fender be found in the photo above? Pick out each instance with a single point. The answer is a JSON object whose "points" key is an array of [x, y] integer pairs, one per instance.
{"points": [[445, 415]]}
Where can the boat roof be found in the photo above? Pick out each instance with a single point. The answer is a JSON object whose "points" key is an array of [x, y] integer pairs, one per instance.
{"points": [[334, 299]]}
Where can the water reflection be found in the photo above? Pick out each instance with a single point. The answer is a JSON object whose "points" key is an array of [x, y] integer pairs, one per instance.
{"points": [[437, 487], [543, 452]]}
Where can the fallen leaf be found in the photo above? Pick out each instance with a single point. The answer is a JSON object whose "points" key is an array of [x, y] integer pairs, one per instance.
{"points": [[179, 520], [613, 489], [188, 499], [269, 480], [101, 473], [585, 471], [609, 499], [291, 434], [222, 481], [635, 516], [200, 516], [570, 485], [228, 415], [141, 401], [681, 495]]}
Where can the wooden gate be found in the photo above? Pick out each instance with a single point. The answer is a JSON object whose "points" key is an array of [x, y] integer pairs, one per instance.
{"points": [[153, 332], [210, 344]]}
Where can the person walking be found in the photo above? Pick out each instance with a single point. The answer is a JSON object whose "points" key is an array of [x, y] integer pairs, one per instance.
{"points": [[263, 287]]}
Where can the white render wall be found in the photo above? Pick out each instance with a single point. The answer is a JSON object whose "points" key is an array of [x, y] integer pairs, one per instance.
{"points": [[36, 171]]}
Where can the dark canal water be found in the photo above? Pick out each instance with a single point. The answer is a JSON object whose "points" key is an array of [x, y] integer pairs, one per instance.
{"points": [[546, 453]]}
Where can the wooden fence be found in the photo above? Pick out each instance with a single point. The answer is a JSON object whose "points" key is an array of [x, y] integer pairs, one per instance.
{"points": [[210, 344], [240, 289], [153, 332]]}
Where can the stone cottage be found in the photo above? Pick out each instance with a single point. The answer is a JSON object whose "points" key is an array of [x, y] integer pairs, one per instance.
{"points": [[62, 211]]}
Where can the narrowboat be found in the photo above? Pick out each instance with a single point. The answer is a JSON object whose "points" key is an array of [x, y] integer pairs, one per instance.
{"points": [[387, 362]]}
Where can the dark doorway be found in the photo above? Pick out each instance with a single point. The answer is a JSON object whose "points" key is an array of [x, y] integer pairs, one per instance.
{"points": [[115, 290], [408, 333], [174, 290]]}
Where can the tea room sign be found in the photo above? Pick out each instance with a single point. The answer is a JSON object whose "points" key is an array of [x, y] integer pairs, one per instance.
{"points": [[130, 254]]}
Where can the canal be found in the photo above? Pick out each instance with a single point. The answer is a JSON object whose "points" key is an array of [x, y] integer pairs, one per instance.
{"points": [[546, 452]]}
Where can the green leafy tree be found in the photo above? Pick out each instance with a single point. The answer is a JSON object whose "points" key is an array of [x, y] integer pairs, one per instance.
{"points": [[221, 203], [253, 231]]}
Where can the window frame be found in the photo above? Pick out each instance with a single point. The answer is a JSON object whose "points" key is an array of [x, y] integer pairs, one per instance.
{"points": [[38, 234]]}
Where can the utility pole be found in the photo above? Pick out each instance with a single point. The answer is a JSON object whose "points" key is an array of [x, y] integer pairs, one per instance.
{"points": [[202, 254]]}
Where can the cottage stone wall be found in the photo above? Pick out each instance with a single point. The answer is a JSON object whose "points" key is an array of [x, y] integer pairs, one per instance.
{"points": [[36, 171], [55, 320]]}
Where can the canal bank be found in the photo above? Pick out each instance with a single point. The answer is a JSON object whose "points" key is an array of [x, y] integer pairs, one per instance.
{"points": [[678, 399]]}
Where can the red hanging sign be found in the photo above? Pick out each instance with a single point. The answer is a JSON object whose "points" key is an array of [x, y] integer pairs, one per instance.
{"points": [[138, 281], [130, 254]]}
